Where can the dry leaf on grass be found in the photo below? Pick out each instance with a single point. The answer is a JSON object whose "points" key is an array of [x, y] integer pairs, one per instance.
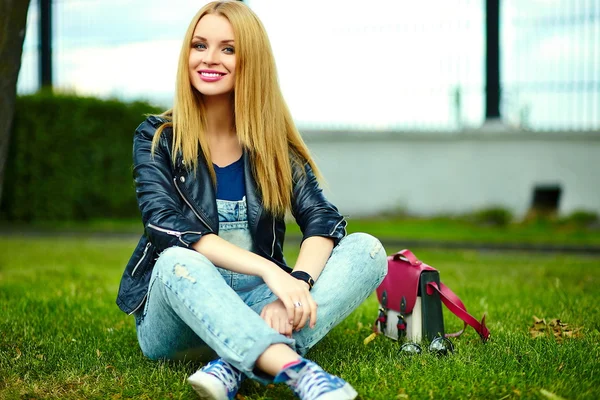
{"points": [[18, 354], [550, 395], [370, 338], [556, 328]]}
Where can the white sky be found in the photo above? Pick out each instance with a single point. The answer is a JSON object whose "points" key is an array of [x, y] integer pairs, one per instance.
{"points": [[379, 64]]}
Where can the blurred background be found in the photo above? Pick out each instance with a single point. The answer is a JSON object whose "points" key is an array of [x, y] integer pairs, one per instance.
{"points": [[465, 130], [424, 109]]}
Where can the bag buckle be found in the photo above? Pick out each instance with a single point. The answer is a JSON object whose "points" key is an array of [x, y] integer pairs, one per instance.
{"points": [[381, 320], [401, 324]]}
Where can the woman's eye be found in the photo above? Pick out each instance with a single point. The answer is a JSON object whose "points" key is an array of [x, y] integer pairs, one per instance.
{"points": [[229, 50], [199, 46]]}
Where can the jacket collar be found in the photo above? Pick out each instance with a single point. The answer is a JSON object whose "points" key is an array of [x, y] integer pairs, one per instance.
{"points": [[204, 195]]}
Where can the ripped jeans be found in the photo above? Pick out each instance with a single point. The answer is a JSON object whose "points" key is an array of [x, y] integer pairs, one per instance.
{"points": [[195, 310]]}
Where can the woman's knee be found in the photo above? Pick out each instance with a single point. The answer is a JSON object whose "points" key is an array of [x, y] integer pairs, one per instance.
{"points": [[183, 263], [370, 251]]}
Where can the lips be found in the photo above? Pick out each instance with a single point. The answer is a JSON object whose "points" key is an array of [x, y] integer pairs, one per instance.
{"points": [[211, 75]]}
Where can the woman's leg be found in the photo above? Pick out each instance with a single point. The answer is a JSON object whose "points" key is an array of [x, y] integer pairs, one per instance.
{"points": [[355, 269], [191, 309]]}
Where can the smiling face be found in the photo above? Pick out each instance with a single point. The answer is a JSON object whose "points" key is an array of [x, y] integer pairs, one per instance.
{"points": [[212, 56]]}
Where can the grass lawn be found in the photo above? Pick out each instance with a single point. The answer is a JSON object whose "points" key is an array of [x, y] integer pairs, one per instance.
{"points": [[544, 232], [62, 336]]}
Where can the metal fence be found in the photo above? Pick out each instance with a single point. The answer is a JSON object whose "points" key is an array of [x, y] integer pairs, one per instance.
{"points": [[389, 65], [551, 64]]}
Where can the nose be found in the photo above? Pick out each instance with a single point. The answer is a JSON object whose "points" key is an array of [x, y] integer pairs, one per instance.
{"points": [[211, 56]]}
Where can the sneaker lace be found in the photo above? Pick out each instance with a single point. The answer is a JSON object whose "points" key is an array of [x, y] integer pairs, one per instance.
{"points": [[314, 382]]}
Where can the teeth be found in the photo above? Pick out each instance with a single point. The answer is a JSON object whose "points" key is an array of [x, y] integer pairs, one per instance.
{"points": [[210, 74]]}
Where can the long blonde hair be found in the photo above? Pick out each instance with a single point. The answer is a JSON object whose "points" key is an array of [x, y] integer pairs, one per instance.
{"points": [[263, 122]]}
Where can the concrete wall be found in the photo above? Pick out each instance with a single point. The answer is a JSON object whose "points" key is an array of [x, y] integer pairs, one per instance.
{"points": [[427, 173]]}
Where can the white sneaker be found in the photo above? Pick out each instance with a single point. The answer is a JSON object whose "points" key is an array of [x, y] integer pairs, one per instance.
{"points": [[217, 380]]}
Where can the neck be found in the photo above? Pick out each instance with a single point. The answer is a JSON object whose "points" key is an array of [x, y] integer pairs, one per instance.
{"points": [[219, 116]]}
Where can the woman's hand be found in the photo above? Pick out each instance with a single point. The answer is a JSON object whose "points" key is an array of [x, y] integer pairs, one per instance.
{"points": [[275, 315], [294, 297]]}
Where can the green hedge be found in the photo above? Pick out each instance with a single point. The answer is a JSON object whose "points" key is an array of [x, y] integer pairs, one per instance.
{"points": [[70, 159]]}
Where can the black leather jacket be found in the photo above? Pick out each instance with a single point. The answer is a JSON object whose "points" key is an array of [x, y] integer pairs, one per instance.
{"points": [[178, 207]]}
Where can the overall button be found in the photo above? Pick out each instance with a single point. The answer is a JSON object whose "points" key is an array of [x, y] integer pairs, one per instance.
{"points": [[182, 178]]}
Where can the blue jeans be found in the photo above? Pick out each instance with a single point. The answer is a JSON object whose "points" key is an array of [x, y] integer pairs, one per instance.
{"points": [[196, 310]]}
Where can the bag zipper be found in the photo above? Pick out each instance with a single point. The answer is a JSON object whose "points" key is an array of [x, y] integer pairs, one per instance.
{"points": [[141, 259], [190, 205]]}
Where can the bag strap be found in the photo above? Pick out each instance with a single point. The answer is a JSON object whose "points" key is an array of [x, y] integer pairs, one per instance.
{"points": [[456, 306], [408, 256]]}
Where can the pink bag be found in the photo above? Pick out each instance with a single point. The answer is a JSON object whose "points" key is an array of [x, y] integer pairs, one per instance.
{"points": [[410, 299]]}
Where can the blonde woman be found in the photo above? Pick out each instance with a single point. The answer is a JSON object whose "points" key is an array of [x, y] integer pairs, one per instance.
{"points": [[214, 177]]}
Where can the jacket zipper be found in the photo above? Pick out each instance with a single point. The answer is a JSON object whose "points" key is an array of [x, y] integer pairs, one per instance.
{"points": [[273, 245], [139, 305], [173, 233], [338, 224], [190, 205], [141, 259], [133, 273]]}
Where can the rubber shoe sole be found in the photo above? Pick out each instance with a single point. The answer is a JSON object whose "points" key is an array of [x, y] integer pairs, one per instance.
{"points": [[346, 392], [208, 386]]}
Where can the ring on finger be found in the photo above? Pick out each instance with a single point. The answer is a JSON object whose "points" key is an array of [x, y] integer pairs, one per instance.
{"points": [[297, 304]]}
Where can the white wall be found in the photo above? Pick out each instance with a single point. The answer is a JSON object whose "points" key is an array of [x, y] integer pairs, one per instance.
{"points": [[426, 173]]}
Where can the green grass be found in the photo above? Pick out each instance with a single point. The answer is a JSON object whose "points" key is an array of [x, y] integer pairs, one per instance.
{"points": [[62, 336], [548, 232], [461, 230]]}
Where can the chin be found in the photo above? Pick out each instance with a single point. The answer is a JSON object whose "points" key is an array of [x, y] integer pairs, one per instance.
{"points": [[212, 91]]}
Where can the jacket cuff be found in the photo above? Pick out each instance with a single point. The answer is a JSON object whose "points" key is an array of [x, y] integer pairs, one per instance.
{"points": [[163, 238], [337, 233]]}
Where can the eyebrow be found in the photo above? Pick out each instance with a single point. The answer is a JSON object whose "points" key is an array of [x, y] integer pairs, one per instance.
{"points": [[222, 41]]}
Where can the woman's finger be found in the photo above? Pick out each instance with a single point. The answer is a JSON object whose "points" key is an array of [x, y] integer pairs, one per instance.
{"points": [[268, 320], [289, 308], [299, 310], [306, 312], [313, 312], [288, 329]]}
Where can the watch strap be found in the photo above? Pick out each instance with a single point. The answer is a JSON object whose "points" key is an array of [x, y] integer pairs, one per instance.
{"points": [[304, 276]]}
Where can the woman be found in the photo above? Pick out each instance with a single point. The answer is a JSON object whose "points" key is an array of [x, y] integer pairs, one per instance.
{"points": [[214, 179]]}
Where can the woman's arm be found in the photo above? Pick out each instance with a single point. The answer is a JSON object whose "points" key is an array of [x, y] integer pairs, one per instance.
{"points": [[229, 256], [314, 253], [158, 200], [288, 289], [314, 214]]}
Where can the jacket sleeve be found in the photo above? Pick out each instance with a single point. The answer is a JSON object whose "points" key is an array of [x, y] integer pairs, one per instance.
{"points": [[313, 213], [159, 201]]}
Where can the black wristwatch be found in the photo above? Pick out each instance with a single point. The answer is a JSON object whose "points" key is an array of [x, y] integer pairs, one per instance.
{"points": [[303, 276]]}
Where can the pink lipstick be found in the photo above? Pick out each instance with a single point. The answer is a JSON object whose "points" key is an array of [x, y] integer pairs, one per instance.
{"points": [[208, 75]]}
